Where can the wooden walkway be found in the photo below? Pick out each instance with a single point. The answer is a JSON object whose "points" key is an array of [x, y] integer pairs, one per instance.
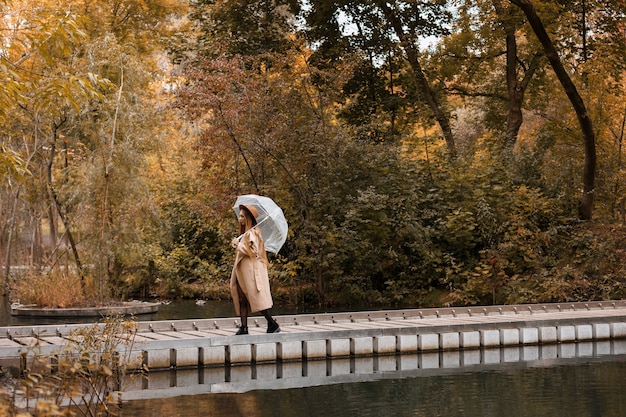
{"points": [[206, 343], [187, 357]]}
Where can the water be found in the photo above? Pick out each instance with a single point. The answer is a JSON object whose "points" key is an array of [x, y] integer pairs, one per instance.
{"points": [[587, 387], [569, 380], [176, 310]]}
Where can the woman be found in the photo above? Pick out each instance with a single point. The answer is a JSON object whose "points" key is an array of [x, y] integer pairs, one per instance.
{"points": [[249, 281]]}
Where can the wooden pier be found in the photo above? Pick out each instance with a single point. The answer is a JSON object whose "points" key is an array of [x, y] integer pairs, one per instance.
{"points": [[206, 343]]}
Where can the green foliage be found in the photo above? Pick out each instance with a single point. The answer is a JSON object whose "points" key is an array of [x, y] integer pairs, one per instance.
{"points": [[337, 134], [541, 256], [184, 273], [80, 106], [247, 27], [380, 97]]}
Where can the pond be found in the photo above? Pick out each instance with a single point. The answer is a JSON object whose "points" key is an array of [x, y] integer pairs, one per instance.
{"points": [[573, 380], [175, 310], [183, 309], [574, 387]]}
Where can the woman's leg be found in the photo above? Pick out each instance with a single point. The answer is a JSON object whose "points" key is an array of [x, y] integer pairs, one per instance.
{"points": [[272, 325], [243, 310]]}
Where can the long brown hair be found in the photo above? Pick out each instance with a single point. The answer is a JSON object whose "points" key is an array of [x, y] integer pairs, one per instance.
{"points": [[249, 223], [243, 228]]}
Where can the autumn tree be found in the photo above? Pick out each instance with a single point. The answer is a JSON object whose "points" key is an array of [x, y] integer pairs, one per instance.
{"points": [[46, 95], [489, 61], [596, 46], [246, 27], [86, 71], [334, 109], [385, 35], [585, 207]]}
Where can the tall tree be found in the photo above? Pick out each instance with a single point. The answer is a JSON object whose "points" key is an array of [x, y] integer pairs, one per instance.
{"points": [[36, 40], [247, 27], [585, 208], [489, 61], [87, 72], [384, 29], [516, 86]]}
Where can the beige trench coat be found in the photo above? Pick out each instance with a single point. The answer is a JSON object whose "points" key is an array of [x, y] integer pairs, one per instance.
{"points": [[251, 273]]}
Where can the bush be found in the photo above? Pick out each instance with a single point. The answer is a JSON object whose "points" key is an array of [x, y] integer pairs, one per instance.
{"points": [[85, 378], [42, 289]]}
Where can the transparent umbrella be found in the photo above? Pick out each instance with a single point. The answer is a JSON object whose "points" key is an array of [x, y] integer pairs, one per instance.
{"points": [[271, 220]]}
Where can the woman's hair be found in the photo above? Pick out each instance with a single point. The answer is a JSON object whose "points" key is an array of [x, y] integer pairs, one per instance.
{"points": [[250, 221], [243, 228]]}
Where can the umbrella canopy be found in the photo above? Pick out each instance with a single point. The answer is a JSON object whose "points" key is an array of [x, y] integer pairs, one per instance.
{"points": [[270, 221]]}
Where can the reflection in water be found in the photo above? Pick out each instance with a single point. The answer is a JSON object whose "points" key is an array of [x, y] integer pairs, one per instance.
{"points": [[581, 389], [578, 379], [243, 378]]}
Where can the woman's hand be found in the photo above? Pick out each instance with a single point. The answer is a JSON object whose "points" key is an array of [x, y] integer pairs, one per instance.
{"points": [[234, 243]]}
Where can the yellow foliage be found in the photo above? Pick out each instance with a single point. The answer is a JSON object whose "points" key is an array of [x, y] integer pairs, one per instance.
{"points": [[44, 290]]}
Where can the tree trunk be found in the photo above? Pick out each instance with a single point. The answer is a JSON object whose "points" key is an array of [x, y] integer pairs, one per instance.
{"points": [[515, 88], [59, 210], [585, 204], [53, 226], [36, 246], [619, 138], [585, 53], [239, 148], [6, 287], [412, 56]]}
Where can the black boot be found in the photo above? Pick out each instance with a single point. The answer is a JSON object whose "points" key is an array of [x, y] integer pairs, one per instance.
{"points": [[242, 330], [273, 327]]}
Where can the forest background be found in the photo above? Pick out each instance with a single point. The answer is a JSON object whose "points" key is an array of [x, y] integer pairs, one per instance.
{"points": [[444, 152]]}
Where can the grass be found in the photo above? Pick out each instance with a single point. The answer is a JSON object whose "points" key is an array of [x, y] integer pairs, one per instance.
{"points": [[57, 289]]}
